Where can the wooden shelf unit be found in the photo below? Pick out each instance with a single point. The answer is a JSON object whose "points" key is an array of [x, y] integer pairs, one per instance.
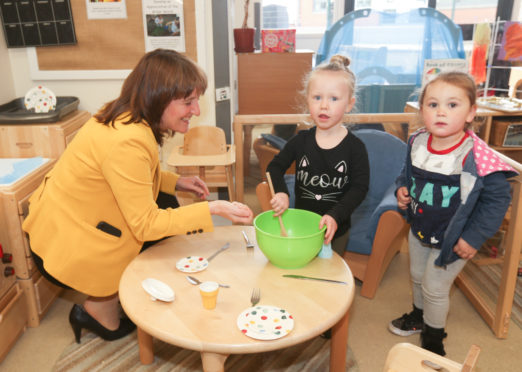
{"points": [[26, 296], [269, 83], [48, 140], [14, 207], [13, 318]]}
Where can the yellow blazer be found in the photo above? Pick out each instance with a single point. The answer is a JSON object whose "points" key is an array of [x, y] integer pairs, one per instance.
{"points": [[112, 175]]}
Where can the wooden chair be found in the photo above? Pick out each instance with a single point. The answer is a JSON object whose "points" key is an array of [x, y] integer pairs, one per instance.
{"points": [[405, 357], [205, 153], [377, 230], [516, 91], [268, 145], [263, 196]]}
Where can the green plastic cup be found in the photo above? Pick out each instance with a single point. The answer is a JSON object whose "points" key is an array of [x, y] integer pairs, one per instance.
{"points": [[303, 243]]}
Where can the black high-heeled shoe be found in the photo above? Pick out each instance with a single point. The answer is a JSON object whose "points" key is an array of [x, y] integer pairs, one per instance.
{"points": [[79, 318]]}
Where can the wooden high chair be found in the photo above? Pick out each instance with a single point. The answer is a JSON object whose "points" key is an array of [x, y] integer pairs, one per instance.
{"points": [[205, 153], [405, 357]]}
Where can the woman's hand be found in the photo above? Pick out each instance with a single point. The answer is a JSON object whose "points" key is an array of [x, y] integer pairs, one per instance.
{"points": [[279, 203], [403, 198], [331, 227], [234, 211], [464, 250], [193, 184]]}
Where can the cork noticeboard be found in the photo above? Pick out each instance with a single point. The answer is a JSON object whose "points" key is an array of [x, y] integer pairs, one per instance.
{"points": [[109, 44]]}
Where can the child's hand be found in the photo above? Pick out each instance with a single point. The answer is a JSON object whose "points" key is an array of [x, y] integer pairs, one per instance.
{"points": [[464, 250], [403, 197], [331, 227], [279, 203]]}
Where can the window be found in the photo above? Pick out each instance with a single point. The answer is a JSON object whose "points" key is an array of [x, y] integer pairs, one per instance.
{"points": [[394, 6], [307, 17], [460, 11], [320, 6], [468, 11]]}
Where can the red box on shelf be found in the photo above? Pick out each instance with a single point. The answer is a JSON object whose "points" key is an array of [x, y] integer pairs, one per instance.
{"points": [[277, 41]]}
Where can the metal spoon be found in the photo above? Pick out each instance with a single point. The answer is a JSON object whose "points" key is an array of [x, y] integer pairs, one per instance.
{"points": [[196, 281], [433, 365]]}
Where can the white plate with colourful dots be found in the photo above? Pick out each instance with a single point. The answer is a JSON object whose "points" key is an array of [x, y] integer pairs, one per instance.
{"points": [[265, 322], [40, 99], [192, 264]]}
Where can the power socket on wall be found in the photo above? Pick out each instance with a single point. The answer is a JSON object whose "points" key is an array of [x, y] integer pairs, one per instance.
{"points": [[222, 94]]}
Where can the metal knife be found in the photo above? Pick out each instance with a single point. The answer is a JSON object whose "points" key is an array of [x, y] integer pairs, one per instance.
{"points": [[312, 278], [219, 251]]}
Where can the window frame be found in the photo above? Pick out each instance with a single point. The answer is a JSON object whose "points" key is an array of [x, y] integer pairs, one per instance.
{"points": [[504, 8]]}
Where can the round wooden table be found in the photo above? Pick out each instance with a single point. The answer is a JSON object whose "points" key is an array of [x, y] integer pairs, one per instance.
{"points": [[315, 306]]}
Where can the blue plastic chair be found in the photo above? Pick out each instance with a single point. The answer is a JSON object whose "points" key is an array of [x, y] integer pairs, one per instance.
{"points": [[377, 230], [377, 227]]}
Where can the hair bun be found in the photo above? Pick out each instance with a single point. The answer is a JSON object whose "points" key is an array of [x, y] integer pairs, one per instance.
{"points": [[340, 60]]}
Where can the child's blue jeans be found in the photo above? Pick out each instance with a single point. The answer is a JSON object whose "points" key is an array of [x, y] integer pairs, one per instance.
{"points": [[431, 283]]}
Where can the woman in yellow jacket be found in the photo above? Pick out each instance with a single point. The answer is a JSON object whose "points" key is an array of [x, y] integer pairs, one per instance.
{"points": [[93, 212]]}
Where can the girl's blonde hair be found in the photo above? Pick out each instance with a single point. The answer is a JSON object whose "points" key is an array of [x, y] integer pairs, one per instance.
{"points": [[458, 79], [337, 63]]}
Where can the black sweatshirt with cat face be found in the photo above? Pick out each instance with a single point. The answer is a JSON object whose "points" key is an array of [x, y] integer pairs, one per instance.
{"points": [[327, 181]]}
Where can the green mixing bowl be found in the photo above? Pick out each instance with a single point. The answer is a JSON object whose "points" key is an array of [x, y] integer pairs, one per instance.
{"points": [[303, 243]]}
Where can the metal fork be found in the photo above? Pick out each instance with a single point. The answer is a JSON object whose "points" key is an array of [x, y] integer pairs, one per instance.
{"points": [[248, 242], [256, 296]]}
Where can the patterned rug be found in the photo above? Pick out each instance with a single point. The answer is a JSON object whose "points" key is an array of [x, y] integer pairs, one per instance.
{"points": [[94, 354]]}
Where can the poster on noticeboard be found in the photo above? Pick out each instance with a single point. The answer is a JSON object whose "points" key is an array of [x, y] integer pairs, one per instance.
{"points": [[164, 24], [99, 9], [433, 67]]}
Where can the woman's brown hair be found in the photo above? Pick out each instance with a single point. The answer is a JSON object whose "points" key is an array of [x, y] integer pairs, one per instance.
{"points": [[160, 76]]}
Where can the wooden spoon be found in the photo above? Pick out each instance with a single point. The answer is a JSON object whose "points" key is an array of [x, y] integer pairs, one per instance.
{"points": [[281, 225]]}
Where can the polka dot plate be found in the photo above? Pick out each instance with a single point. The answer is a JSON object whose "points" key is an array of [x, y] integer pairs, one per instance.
{"points": [[265, 322], [40, 99], [192, 264]]}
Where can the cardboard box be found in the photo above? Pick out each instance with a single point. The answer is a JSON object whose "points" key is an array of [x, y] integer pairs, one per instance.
{"points": [[277, 41]]}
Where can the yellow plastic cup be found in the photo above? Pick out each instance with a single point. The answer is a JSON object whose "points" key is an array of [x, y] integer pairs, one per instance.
{"points": [[209, 292]]}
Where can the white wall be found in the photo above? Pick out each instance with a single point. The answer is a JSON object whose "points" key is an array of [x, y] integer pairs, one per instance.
{"points": [[517, 11], [7, 91]]}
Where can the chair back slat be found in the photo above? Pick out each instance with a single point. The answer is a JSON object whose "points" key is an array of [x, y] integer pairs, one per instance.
{"points": [[204, 140]]}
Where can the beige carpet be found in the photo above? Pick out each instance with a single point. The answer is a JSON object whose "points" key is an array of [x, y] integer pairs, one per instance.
{"points": [[94, 354]]}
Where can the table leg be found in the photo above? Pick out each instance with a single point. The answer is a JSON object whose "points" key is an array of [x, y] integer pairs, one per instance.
{"points": [[213, 362], [145, 346], [339, 343], [247, 147], [239, 176]]}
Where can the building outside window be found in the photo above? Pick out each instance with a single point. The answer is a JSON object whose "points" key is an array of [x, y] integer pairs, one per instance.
{"points": [[468, 11], [307, 17], [459, 11], [393, 6], [311, 18]]}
